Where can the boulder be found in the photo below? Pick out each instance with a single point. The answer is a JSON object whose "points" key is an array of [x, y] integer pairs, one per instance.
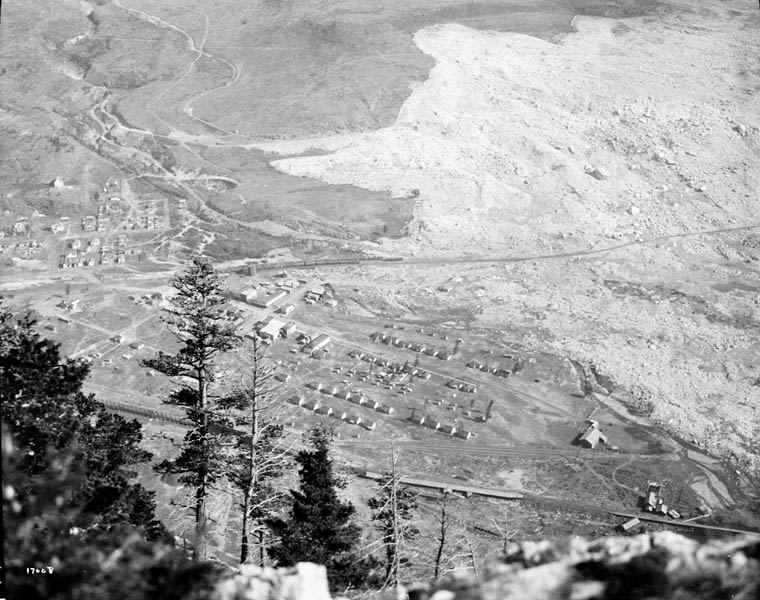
{"points": [[599, 173]]}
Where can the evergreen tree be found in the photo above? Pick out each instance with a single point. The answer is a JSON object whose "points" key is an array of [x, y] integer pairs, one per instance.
{"points": [[69, 505], [319, 526], [204, 333], [46, 412]]}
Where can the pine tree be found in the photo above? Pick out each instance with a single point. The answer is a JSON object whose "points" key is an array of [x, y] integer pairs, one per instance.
{"points": [[45, 411], [204, 333], [69, 503], [319, 526]]}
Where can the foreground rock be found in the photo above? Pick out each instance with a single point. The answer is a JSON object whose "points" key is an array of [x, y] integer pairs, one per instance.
{"points": [[305, 581], [650, 566], [658, 565]]}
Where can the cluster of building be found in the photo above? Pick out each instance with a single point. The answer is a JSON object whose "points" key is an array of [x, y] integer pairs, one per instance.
{"points": [[71, 304], [269, 329], [655, 503], [263, 295], [145, 222], [149, 299], [320, 294], [21, 228], [99, 222], [149, 216], [392, 340], [497, 370], [400, 378], [328, 411], [353, 396], [88, 253], [462, 386], [31, 249], [436, 425], [392, 366]]}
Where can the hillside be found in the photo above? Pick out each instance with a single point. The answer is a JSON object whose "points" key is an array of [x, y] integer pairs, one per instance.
{"points": [[509, 221]]}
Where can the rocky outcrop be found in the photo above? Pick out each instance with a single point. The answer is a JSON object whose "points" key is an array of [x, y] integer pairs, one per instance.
{"points": [[651, 566], [661, 565]]}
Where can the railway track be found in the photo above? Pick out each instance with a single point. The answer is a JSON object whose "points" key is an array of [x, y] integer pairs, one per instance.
{"points": [[494, 450]]}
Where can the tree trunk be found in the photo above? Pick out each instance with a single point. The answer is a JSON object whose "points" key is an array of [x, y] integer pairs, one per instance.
{"points": [[262, 550], [250, 487], [396, 547], [200, 548], [244, 535], [442, 538]]}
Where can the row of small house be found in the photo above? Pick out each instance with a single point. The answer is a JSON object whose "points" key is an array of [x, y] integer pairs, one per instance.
{"points": [[352, 396], [317, 408], [446, 429], [497, 370], [145, 222], [72, 258], [462, 386], [28, 248], [94, 245], [391, 340]]}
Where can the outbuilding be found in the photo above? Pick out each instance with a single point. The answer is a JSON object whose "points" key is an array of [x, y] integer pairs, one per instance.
{"points": [[319, 342], [629, 525], [592, 436]]}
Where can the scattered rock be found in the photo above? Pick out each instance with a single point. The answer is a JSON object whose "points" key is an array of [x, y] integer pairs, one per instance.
{"points": [[599, 173], [740, 129], [732, 371], [634, 210]]}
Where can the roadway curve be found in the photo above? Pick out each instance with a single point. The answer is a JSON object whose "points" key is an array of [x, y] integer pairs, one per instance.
{"points": [[200, 51]]}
